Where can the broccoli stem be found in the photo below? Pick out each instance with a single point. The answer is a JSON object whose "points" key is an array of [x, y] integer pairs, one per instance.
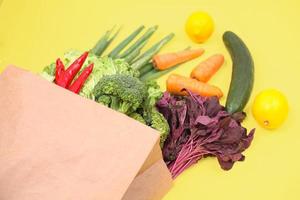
{"points": [[114, 103], [114, 53], [124, 107], [104, 99]]}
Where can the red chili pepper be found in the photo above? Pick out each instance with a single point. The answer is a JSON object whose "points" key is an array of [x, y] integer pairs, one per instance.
{"points": [[60, 68], [78, 83], [65, 80]]}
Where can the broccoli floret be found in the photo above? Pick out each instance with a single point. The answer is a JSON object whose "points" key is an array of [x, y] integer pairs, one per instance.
{"points": [[126, 92], [50, 69], [154, 93], [130, 96], [159, 123], [150, 114], [104, 99], [137, 117]]}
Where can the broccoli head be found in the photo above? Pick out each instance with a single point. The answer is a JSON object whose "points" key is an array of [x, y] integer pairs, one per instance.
{"points": [[137, 117], [159, 123], [154, 93], [120, 92], [150, 114], [104, 99]]}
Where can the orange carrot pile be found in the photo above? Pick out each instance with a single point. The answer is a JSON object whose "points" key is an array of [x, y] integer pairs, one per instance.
{"points": [[165, 61], [176, 84], [206, 69]]}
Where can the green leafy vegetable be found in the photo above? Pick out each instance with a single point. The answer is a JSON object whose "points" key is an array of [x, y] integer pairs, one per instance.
{"points": [[159, 123], [145, 69], [142, 40], [155, 74], [153, 118], [147, 56], [104, 42], [135, 53], [137, 99], [102, 66], [126, 92], [114, 53], [138, 117]]}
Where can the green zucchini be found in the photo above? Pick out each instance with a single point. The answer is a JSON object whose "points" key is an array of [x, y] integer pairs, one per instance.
{"points": [[242, 77]]}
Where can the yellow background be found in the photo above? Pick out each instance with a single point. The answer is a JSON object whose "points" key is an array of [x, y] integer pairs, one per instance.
{"points": [[34, 33]]}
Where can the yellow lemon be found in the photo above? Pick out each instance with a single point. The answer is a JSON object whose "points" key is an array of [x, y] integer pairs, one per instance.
{"points": [[199, 26], [270, 108]]}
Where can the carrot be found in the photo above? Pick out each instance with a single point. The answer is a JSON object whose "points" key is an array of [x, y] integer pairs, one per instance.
{"points": [[176, 84], [165, 61], [206, 69]]}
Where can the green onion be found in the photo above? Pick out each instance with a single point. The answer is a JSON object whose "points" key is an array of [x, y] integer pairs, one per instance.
{"points": [[132, 55], [147, 56], [98, 48], [114, 53], [145, 69], [148, 72], [104, 42], [135, 53], [110, 40], [155, 74], [142, 39]]}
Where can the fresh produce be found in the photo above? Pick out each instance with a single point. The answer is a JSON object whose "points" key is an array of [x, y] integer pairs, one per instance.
{"points": [[191, 122], [242, 73], [137, 117], [104, 42], [201, 127], [206, 69], [147, 68], [127, 94], [114, 53], [270, 108], [130, 57], [149, 72], [159, 123], [60, 69], [120, 92], [154, 73], [131, 98], [102, 66], [150, 113], [147, 56], [177, 84], [78, 83], [128, 61], [64, 78], [165, 61], [140, 42], [199, 26]]}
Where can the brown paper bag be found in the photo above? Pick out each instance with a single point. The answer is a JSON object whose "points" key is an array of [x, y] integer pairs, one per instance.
{"points": [[57, 145], [152, 184]]}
